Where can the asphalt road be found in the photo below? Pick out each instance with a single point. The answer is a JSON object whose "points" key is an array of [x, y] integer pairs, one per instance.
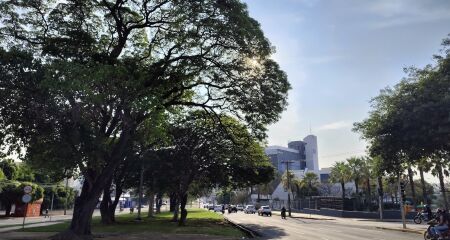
{"points": [[295, 228]]}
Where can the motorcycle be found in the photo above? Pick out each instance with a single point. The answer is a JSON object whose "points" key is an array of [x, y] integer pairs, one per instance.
{"points": [[420, 216], [428, 235]]}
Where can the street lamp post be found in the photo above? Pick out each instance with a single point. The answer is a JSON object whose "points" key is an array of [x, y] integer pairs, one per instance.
{"points": [[289, 186]]}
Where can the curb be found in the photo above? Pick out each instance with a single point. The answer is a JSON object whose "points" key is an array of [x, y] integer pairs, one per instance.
{"points": [[250, 233], [402, 230], [310, 218]]}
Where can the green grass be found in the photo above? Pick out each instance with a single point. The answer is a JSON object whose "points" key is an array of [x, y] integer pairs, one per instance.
{"points": [[199, 221]]}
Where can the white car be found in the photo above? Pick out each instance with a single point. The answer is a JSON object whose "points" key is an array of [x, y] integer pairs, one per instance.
{"points": [[218, 208], [265, 210], [240, 208], [249, 209]]}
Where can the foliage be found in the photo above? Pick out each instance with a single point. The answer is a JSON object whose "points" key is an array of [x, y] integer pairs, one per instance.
{"points": [[2, 176], [340, 173], [410, 121], [9, 168], [419, 195], [12, 192], [60, 195], [79, 79]]}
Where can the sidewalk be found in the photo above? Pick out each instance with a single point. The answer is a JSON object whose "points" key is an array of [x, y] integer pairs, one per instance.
{"points": [[375, 223]]}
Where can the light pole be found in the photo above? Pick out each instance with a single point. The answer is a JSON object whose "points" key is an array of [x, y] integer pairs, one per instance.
{"points": [[289, 185]]}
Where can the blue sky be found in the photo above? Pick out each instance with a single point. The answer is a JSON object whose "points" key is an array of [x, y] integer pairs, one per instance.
{"points": [[338, 54]]}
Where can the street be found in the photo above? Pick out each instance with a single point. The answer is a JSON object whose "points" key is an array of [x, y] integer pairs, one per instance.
{"points": [[296, 228]]}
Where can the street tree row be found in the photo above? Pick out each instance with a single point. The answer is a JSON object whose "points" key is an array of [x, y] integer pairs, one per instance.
{"points": [[84, 84]]}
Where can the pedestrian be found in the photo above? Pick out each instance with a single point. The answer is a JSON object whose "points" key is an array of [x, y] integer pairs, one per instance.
{"points": [[223, 209], [283, 213], [46, 213]]}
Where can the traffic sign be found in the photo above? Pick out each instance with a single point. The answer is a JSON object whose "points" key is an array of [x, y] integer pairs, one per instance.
{"points": [[27, 189], [26, 198]]}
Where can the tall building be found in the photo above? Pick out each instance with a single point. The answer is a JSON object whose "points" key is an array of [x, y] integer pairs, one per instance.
{"points": [[301, 155]]}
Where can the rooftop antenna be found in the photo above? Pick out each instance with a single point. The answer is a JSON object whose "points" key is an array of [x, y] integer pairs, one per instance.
{"points": [[310, 131]]}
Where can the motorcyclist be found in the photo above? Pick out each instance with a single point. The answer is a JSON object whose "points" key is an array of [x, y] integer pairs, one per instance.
{"points": [[283, 213], [442, 226]]}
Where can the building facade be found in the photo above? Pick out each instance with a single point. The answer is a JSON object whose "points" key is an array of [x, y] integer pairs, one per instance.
{"points": [[300, 155]]}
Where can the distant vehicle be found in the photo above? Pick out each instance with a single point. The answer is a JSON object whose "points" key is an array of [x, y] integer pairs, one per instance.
{"points": [[249, 209], [240, 208], [232, 208], [265, 210], [218, 208], [210, 207]]}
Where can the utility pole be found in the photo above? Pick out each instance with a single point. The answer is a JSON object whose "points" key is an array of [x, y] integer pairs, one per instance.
{"points": [[401, 189], [289, 186]]}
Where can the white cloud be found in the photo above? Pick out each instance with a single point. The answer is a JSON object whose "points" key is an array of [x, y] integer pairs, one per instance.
{"points": [[335, 125]]}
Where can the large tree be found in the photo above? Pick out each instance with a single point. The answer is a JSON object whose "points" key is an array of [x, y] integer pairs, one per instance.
{"points": [[79, 78], [203, 152], [409, 122]]}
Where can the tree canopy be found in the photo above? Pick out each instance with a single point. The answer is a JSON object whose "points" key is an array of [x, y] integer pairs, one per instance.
{"points": [[78, 79]]}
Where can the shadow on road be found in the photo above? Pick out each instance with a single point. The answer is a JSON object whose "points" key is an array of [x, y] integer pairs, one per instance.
{"points": [[267, 232]]}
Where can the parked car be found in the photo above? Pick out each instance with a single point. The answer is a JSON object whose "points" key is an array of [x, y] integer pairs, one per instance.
{"points": [[240, 208], [249, 209], [218, 208], [265, 210], [232, 209], [211, 207]]}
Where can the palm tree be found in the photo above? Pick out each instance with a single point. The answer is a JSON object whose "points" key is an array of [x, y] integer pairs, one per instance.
{"points": [[356, 165], [340, 173], [424, 166], [291, 181], [411, 182]]}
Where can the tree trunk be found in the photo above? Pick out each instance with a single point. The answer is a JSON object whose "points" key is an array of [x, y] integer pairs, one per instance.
{"points": [[106, 217], [158, 203], [80, 227], [8, 207], [172, 202], [411, 182], [442, 186], [175, 212], [184, 212], [380, 196], [357, 187], [424, 187], [369, 193], [343, 191], [105, 214], [150, 204]]}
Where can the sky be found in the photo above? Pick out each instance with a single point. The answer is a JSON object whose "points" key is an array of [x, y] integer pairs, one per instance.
{"points": [[338, 54]]}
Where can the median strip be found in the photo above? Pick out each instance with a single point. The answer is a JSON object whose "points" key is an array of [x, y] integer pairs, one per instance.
{"points": [[249, 232]]}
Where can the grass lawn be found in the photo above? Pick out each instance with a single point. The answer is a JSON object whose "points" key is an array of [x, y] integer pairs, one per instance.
{"points": [[199, 221]]}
